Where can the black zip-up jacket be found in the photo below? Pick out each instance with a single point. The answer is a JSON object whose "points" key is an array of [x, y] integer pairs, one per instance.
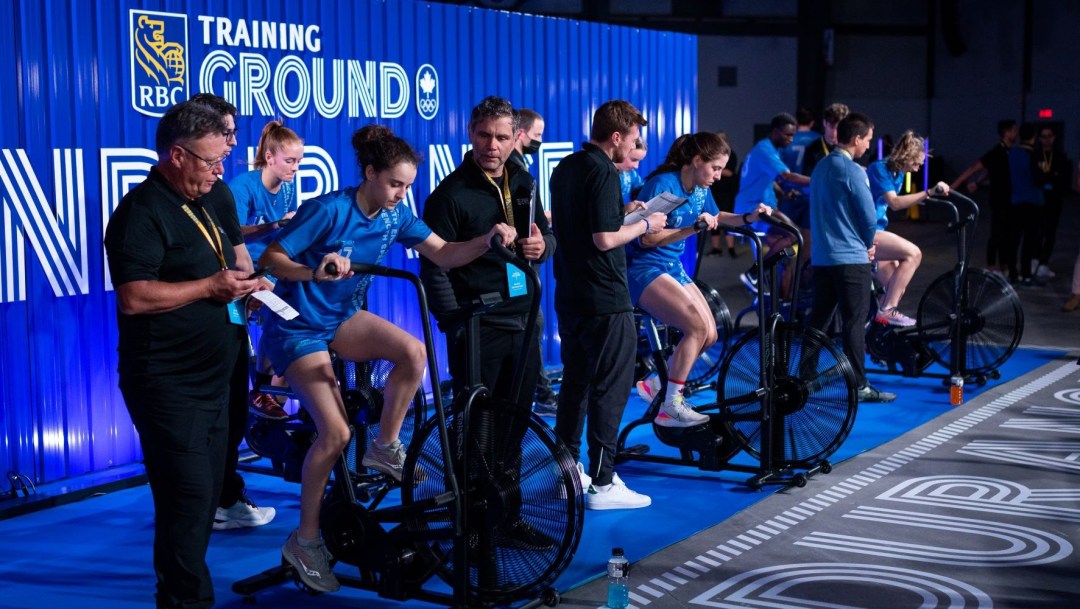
{"points": [[466, 205]]}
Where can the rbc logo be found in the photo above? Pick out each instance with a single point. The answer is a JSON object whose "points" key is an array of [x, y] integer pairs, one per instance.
{"points": [[427, 83], [159, 61]]}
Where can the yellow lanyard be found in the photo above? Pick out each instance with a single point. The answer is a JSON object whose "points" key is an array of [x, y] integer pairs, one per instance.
{"points": [[1046, 162], [824, 146], [219, 249], [508, 208]]}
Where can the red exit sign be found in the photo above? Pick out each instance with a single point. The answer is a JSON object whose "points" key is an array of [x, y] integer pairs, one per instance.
{"points": [[1046, 113]]}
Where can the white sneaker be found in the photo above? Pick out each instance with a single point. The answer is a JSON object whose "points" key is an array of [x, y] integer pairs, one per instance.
{"points": [[1044, 272], [615, 496], [586, 479], [679, 413], [646, 389], [243, 513], [893, 317]]}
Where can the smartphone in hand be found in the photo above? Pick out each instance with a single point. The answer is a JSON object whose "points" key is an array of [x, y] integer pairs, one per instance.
{"points": [[266, 270]]}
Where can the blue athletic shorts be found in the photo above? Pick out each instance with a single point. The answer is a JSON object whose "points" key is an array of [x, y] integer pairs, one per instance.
{"points": [[640, 274], [284, 349]]}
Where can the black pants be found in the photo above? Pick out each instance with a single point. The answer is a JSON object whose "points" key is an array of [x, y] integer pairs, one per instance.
{"points": [[845, 287], [1050, 220], [598, 371], [498, 352], [183, 447], [233, 488], [1026, 236]]}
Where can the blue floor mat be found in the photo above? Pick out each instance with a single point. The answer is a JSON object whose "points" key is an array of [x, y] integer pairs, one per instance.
{"points": [[97, 552]]}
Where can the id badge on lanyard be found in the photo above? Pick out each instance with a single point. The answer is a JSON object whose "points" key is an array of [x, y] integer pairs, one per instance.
{"points": [[235, 308]]}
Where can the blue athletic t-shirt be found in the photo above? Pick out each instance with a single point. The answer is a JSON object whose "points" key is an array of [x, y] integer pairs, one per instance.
{"points": [[793, 155], [882, 180], [256, 205], [334, 223], [628, 181], [760, 169], [699, 200]]}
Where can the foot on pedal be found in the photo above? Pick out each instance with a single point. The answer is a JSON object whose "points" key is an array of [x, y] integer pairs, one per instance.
{"points": [[679, 413], [312, 564]]}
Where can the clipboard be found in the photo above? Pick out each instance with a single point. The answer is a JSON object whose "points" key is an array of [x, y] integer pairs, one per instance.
{"points": [[664, 203]]}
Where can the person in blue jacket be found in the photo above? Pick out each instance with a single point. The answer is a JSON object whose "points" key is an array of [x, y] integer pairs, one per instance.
{"points": [[897, 258], [357, 224], [658, 282]]}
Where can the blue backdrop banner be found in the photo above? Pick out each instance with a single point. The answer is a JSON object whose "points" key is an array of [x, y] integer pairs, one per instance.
{"points": [[85, 82]]}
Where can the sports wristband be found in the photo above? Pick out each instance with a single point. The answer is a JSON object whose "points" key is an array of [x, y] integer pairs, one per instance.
{"points": [[744, 220]]}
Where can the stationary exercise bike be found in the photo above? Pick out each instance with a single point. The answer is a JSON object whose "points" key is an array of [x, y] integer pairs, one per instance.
{"points": [[459, 485], [969, 320], [785, 395]]}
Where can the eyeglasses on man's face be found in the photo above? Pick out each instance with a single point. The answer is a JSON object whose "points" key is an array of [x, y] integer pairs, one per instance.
{"points": [[210, 163]]}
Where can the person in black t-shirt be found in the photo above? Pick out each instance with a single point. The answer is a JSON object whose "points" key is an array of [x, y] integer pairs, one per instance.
{"points": [[596, 318], [821, 148], [995, 164], [1053, 177], [177, 311]]}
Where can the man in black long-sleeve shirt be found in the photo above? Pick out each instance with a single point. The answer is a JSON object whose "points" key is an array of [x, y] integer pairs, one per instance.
{"points": [[483, 191]]}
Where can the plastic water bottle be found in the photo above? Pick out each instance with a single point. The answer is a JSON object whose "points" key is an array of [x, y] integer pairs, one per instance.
{"points": [[618, 588], [956, 390]]}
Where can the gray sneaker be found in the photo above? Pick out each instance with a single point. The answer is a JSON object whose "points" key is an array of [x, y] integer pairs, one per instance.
{"points": [[389, 460], [312, 564]]}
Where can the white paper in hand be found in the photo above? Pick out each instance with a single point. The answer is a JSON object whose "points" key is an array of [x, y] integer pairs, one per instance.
{"points": [[276, 304]]}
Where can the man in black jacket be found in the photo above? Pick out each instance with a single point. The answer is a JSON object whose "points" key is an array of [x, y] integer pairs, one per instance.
{"points": [[483, 191]]}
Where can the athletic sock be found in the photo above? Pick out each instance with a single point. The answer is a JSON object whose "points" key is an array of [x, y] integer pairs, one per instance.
{"points": [[675, 388]]}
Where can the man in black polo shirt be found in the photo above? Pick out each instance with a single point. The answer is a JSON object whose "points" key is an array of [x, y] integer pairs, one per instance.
{"points": [[177, 312], [596, 318]]}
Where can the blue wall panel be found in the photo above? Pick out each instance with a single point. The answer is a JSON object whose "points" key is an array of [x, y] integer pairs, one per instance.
{"points": [[74, 138]]}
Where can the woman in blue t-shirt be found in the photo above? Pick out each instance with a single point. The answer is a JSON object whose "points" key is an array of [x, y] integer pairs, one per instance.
{"points": [[265, 198], [897, 258], [658, 282], [357, 224]]}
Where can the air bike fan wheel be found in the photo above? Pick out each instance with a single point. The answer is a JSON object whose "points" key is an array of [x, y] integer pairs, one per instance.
{"points": [[814, 395], [524, 508], [991, 320]]}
